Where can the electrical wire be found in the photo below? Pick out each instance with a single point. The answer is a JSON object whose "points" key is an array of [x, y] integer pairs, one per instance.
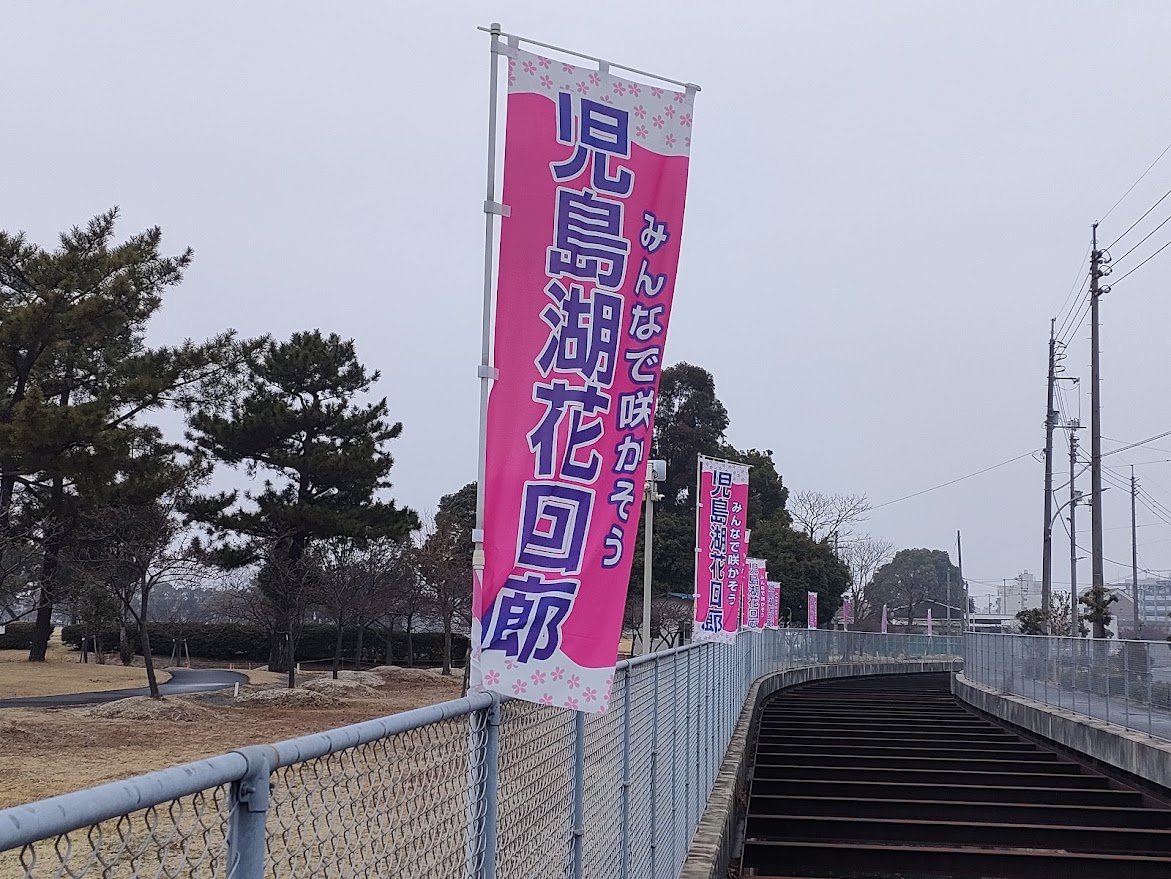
{"points": [[1149, 439], [1139, 220], [1081, 273], [1076, 307], [954, 481], [1115, 262], [1143, 263], [1137, 182]]}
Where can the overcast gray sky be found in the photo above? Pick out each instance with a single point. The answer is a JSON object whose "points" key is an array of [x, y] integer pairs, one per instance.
{"points": [[888, 201]]}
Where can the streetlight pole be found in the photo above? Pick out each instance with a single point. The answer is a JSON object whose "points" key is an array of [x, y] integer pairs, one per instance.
{"points": [[655, 471]]}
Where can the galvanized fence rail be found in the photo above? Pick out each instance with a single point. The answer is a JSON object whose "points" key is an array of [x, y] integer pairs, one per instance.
{"points": [[478, 787], [1122, 682]]}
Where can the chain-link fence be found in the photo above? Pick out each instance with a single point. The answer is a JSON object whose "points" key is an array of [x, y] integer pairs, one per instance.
{"points": [[1122, 682], [477, 787]]}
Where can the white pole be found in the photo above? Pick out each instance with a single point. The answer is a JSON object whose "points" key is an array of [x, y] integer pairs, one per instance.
{"points": [[486, 372], [648, 557]]}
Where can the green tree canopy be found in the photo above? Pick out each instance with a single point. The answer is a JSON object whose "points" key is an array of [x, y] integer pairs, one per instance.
{"points": [[324, 459], [912, 577], [76, 375]]}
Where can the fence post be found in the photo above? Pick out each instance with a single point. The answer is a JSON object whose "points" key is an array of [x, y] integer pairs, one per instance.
{"points": [[624, 832], [654, 824], [1126, 682], [578, 794], [249, 812], [491, 787]]}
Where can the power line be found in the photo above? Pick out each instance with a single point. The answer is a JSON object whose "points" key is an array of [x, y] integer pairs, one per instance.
{"points": [[1137, 182], [1149, 439], [1141, 240], [1080, 274], [1143, 263], [1139, 220], [1074, 309], [954, 481]]}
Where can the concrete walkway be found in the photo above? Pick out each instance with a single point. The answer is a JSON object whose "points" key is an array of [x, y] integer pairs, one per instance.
{"points": [[181, 682]]}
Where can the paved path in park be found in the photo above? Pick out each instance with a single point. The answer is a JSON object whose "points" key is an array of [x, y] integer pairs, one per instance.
{"points": [[182, 681]]}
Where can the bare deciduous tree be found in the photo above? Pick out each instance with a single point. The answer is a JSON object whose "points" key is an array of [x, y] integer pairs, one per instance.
{"points": [[821, 515], [863, 556]]}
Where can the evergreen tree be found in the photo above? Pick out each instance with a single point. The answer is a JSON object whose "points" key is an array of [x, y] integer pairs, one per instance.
{"points": [[324, 460], [76, 376]]}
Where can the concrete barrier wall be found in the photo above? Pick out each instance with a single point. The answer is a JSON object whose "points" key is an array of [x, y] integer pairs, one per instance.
{"points": [[713, 846], [1135, 753]]}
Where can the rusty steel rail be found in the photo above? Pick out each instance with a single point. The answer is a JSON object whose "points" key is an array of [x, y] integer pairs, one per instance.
{"points": [[891, 777]]}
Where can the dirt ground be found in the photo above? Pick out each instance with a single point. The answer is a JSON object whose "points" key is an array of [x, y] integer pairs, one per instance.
{"points": [[46, 752]]}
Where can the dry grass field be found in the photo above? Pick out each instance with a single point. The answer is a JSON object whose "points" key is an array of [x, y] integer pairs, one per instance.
{"points": [[46, 752]]}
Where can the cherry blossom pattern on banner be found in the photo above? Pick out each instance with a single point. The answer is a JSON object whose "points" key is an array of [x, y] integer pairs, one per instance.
{"points": [[661, 119]]}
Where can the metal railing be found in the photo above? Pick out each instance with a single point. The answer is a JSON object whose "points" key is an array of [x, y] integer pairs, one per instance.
{"points": [[478, 787], [1122, 682]]}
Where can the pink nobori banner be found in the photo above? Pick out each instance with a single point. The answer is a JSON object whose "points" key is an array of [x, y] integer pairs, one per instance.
{"points": [[721, 570], [883, 624], [811, 609], [755, 604], [774, 604], [929, 621], [595, 175], [847, 610]]}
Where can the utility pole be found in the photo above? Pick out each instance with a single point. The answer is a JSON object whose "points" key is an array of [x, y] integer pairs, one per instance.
{"points": [[963, 582], [1133, 552], [1074, 632], [949, 599], [1050, 423], [1098, 581]]}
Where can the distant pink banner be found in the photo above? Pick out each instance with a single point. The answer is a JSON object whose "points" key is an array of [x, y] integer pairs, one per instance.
{"points": [[847, 610], [774, 605], [595, 174], [721, 571], [811, 609], [764, 595], [755, 605]]}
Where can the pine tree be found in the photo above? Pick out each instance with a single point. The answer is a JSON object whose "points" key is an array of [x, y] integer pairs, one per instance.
{"points": [[324, 461], [76, 376]]}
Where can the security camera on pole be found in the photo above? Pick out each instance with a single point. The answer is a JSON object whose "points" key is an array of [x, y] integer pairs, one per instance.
{"points": [[656, 472]]}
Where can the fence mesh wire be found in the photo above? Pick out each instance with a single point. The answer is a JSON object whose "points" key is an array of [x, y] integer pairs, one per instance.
{"points": [[415, 799], [397, 806], [1123, 682], [185, 837]]}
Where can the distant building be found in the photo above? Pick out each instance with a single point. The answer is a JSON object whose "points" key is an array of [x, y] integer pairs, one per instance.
{"points": [[1020, 593]]}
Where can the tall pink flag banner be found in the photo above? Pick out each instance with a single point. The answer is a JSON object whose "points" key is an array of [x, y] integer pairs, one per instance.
{"points": [[929, 621], [774, 605], [847, 610], [883, 624], [753, 606], [811, 609], [721, 569], [595, 174], [764, 595]]}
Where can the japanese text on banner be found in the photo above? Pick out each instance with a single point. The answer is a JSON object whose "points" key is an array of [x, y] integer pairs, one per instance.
{"points": [[721, 570], [587, 263]]}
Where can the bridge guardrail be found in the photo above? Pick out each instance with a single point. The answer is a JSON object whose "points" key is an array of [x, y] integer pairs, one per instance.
{"points": [[1123, 682], [477, 787]]}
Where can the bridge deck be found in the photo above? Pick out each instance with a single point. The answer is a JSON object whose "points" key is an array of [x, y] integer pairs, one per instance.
{"points": [[891, 777]]}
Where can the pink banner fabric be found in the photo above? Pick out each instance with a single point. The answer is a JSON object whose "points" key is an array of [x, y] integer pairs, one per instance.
{"points": [[774, 605], [883, 624], [811, 609], [755, 598], [721, 570], [847, 610], [929, 631], [595, 174]]}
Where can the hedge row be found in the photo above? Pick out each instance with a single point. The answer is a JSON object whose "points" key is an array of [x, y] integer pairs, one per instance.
{"points": [[17, 636], [241, 643]]}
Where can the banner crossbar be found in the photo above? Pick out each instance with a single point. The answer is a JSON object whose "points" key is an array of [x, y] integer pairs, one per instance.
{"points": [[602, 64]]}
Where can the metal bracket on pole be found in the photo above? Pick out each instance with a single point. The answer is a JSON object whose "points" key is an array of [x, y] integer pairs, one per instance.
{"points": [[491, 372], [248, 816], [495, 207]]}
